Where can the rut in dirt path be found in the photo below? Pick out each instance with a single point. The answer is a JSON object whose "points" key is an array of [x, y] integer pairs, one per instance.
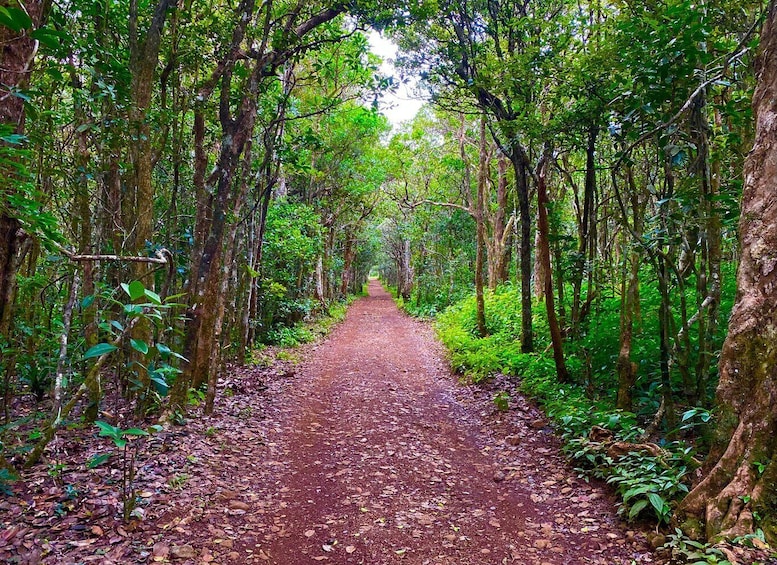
{"points": [[383, 463]]}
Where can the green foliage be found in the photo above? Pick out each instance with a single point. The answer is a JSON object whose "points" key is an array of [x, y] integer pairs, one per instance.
{"points": [[127, 441], [289, 336], [153, 360], [648, 485], [7, 478], [502, 401], [693, 552]]}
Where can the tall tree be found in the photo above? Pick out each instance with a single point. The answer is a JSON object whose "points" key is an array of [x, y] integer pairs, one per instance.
{"points": [[742, 480], [17, 54]]}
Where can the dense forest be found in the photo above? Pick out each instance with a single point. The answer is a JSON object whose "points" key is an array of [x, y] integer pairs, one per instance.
{"points": [[585, 203]]}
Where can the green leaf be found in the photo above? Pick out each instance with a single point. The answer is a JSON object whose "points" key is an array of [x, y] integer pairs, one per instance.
{"points": [[14, 138], [160, 384], [637, 508], [87, 301], [136, 290], [97, 460], [99, 349], [49, 37], [134, 432], [152, 296], [139, 345], [657, 502], [635, 491], [107, 430], [15, 18]]}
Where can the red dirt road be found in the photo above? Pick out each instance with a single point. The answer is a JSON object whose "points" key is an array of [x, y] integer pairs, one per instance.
{"points": [[379, 461], [373, 454]]}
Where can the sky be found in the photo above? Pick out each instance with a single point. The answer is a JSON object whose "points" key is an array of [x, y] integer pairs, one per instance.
{"points": [[401, 105]]}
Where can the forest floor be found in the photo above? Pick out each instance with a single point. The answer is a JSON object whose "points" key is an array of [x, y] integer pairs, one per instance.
{"points": [[362, 449]]}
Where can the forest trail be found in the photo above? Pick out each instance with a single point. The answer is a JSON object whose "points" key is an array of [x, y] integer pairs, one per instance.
{"points": [[375, 455]]}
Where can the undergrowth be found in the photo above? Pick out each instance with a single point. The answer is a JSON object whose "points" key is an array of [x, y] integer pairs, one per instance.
{"points": [[311, 329], [648, 486]]}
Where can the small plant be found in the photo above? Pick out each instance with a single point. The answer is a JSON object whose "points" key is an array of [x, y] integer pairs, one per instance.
{"points": [[127, 442], [195, 397], [757, 540], [7, 478], [178, 481], [211, 431], [502, 401], [287, 356], [55, 471], [693, 552]]}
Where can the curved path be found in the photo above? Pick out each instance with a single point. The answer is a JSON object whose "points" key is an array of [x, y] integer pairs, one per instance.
{"points": [[373, 454]]}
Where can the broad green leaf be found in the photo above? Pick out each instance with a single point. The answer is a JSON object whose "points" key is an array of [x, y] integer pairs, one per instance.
{"points": [[139, 346], [635, 491], [152, 296], [134, 432], [99, 349], [657, 502], [97, 460], [136, 290], [637, 508], [87, 301], [48, 37], [160, 384], [107, 430], [15, 18]]}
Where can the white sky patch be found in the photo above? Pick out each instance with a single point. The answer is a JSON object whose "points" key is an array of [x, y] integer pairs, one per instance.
{"points": [[402, 105]]}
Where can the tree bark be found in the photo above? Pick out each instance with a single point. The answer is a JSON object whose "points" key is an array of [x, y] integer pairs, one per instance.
{"points": [[17, 52], [626, 368], [543, 229], [521, 174], [738, 492], [480, 219]]}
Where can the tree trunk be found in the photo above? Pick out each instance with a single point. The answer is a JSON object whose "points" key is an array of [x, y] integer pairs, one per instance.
{"points": [[144, 57], [480, 219], [543, 256], [520, 166], [498, 250], [742, 479], [17, 52], [626, 368]]}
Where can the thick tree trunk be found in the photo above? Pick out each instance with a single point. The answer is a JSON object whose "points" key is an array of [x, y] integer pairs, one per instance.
{"points": [[17, 51], [742, 479]]}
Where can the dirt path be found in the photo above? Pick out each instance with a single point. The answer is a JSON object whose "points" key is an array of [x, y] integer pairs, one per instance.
{"points": [[366, 452], [374, 455]]}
